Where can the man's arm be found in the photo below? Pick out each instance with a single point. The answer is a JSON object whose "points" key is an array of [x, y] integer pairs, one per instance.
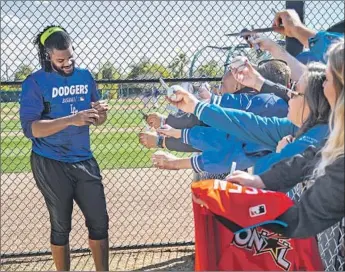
{"points": [[31, 109], [45, 128], [174, 144], [184, 121], [293, 27]]}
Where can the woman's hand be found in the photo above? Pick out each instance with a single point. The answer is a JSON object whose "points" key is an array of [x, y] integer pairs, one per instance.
{"points": [[169, 131], [284, 142], [248, 76], [245, 179], [184, 101]]}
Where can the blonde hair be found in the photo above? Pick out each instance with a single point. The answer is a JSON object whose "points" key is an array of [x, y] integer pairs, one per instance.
{"points": [[334, 147]]}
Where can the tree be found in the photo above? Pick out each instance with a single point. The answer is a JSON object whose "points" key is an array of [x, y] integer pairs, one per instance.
{"points": [[22, 72], [108, 71], [179, 65], [210, 69], [146, 70]]}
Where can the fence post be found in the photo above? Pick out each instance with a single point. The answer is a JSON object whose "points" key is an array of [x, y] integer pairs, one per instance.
{"points": [[293, 46]]}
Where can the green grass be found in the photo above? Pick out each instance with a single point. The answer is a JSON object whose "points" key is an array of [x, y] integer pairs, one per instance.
{"points": [[112, 150], [116, 119], [120, 115]]}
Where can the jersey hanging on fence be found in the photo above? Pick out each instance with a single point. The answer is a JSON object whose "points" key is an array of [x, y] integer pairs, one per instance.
{"points": [[252, 248]]}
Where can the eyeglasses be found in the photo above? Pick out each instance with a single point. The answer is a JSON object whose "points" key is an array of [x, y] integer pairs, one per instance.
{"points": [[292, 93]]}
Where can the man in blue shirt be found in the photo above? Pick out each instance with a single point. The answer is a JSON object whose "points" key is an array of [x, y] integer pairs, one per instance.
{"points": [[58, 104]]}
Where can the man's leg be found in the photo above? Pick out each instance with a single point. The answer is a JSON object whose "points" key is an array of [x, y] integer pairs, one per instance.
{"points": [[89, 195], [55, 185], [61, 257]]}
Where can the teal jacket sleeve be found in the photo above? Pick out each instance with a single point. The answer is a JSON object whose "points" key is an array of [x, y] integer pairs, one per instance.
{"points": [[315, 136], [233, 101], [245, 125]]}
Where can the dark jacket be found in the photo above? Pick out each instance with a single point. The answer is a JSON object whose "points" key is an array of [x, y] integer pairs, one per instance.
{"points": [[321, 206]]}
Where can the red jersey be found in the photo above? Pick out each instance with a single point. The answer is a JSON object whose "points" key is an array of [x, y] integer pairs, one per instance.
{"points": [[253, 248]]}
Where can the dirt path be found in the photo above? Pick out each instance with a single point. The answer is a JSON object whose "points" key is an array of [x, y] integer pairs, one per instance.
{"points": [[145, 206], [160, 259]]}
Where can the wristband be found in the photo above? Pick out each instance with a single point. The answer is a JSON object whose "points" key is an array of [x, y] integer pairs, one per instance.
{"points": [[160, 140]]}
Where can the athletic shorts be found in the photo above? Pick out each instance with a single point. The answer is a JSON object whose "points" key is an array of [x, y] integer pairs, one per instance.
{"points": [[61, 183]]}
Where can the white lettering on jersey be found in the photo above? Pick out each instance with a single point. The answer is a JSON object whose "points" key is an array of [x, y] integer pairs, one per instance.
{"points": [[72, 90], [69, 90], [66, 90], [61, 91], [73, 109], [55, 92], [219, 183], [77, 89]]}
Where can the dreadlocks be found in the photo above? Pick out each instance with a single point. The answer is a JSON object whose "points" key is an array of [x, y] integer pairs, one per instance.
{"points": [[58, 39]]}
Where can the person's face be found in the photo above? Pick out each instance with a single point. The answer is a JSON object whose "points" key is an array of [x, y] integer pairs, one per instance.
{"points": [[63, 61], [329, 87], [298, 107], [229, 84]]}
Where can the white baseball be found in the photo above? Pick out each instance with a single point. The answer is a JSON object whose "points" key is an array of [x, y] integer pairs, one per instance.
{"points": [[238, 63]]}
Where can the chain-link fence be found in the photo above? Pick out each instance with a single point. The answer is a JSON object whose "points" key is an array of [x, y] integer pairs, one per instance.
{"points": [[127, 45]]}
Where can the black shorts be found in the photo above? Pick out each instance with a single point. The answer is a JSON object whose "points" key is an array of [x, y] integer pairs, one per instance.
{"points": [[60, 184]]}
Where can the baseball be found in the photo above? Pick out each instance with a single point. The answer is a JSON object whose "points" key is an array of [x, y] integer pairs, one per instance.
{"points": [[238, 63]]}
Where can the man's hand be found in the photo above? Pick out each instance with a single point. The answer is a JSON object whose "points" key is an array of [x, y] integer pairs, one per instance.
{"points": [[102, 108], [169, 131], [184, 101], [290, 21], [155, 120], [164, 160], [148, 139], [84, 118], [292, 26]]}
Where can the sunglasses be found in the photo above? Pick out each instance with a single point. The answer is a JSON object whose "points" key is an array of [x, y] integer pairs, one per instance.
{"points": [[292, 93]]}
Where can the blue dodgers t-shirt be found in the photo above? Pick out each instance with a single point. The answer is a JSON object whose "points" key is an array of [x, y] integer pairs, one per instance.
{"points": [[47, 96]]}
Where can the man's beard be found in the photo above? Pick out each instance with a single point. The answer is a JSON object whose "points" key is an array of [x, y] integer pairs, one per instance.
{"points": [[61, 71]]}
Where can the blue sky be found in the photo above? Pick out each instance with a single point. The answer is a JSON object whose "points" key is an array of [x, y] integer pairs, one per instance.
{"points": [[122, 32]]}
